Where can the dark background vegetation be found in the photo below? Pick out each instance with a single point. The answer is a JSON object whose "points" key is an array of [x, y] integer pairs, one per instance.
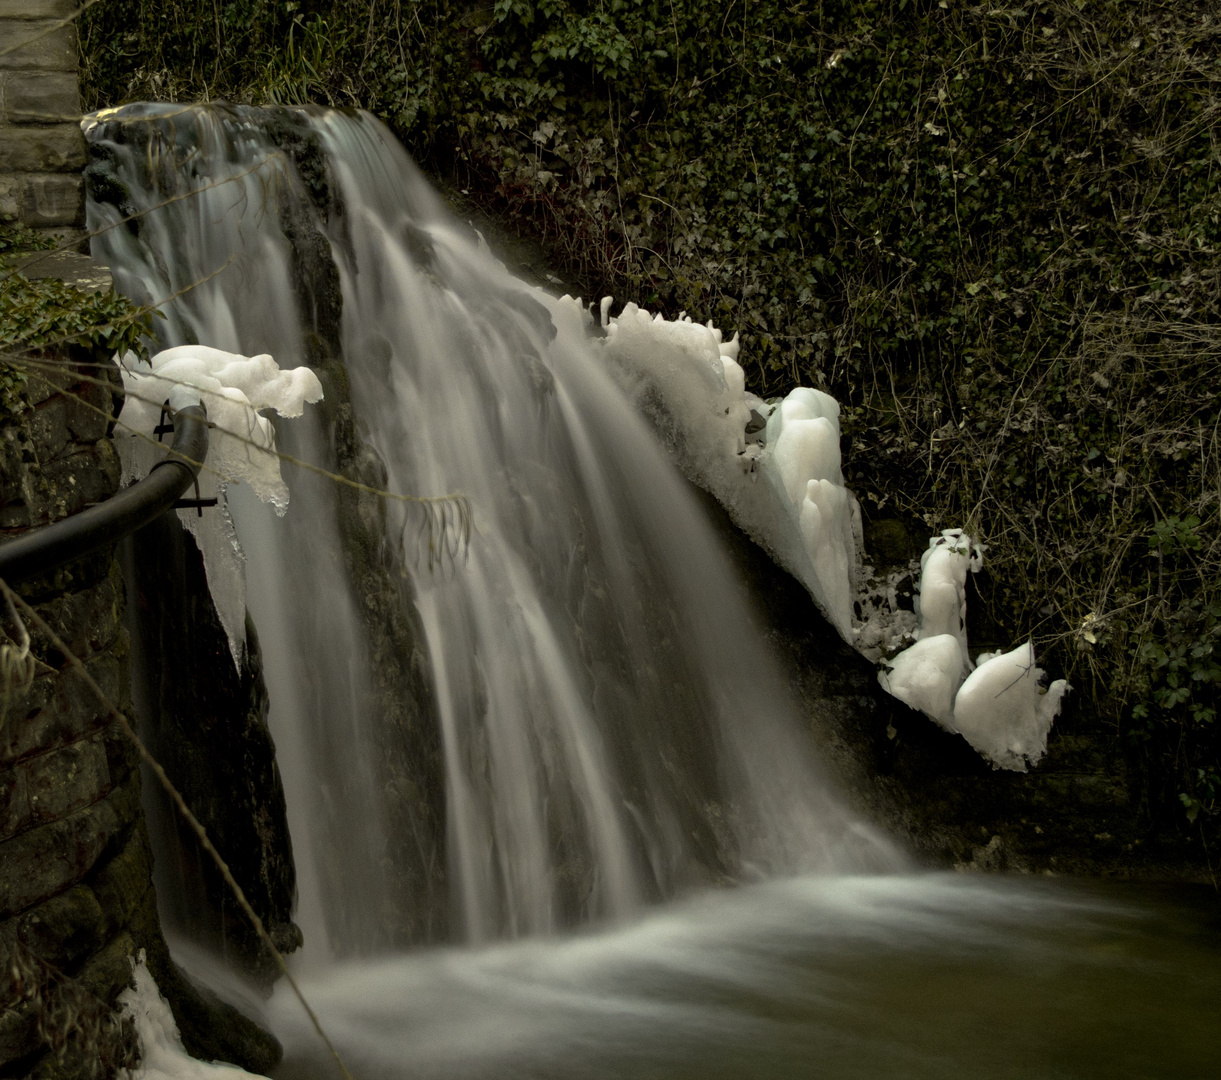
{"points": [[990, 230]]}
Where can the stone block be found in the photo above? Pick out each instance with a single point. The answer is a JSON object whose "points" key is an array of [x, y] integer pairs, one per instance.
{"points": [[66, 485], [90, 407], [43, 861], [51, 199], [68, 708], [37, 45], [10, 198], [14, 801], [37, 9], [45, 382], [86, 621], [122, 884], [36, 148], [108, 972], [66, 779], [40, 97], [49, 429], [78, 270], [65, 929]]}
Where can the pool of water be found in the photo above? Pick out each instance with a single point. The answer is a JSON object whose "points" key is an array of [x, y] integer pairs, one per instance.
{"points": [[861, 977]]}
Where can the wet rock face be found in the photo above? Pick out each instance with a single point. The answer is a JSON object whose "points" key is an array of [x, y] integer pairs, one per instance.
{"points": [[55, 458], [412, 773], [205, 721]]}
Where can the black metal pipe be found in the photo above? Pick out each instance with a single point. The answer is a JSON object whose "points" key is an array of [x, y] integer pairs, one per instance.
{"points": [[51, 546]]}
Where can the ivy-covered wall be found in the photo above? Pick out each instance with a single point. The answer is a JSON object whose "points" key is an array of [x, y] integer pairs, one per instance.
{"points": [[991, 231]]}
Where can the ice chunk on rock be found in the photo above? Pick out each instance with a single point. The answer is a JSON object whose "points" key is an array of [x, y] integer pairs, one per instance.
{"points": [[162, 1055], [926, 676], [1002, 712], [241, 447], [943, 585]]}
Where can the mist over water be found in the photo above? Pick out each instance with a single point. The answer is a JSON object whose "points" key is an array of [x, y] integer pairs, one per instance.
{"points": [[610, 730]]}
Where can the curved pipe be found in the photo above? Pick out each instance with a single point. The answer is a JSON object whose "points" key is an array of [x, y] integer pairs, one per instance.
{"points": [[51, 546]]}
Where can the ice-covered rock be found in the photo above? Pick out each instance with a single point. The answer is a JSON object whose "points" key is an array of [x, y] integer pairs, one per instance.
{"points": [[1002, 711], [241, 447], [926, 676], [942, 604], [687, 380], [162, 1055]]}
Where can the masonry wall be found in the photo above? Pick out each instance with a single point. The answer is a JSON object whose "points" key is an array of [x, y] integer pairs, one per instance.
{"points": [[75, 893], [42, 150]]}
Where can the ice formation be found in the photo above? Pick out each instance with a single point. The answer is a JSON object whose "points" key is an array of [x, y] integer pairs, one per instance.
{"points": [[926, 675], [999, 707], [785, 490], [1001, 712], [943, 585], [162, 1056], [232, 388]]}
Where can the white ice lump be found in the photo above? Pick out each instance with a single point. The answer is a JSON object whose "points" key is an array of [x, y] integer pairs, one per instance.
{"points": [[241, 447], [802, 514], [1001, 711], [999, 707], [232, 388]]}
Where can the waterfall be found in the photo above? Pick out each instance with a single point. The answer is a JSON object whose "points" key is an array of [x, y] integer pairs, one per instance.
{"points": [[568, 718]]}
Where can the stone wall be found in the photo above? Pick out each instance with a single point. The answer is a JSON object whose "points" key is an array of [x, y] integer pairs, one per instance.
{"points": [[75, 899], [42, 150], [76, 895]]}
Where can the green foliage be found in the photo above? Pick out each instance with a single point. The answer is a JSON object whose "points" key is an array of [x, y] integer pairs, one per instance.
{"points": [[48, 313], [46, 316], [991, 231]]}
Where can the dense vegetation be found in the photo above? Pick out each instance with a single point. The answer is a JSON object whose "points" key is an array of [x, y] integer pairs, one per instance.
{"points": [[48, 319], [991, 231]]}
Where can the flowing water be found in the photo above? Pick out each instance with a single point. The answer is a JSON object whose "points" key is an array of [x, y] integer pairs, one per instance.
{"points": [[609, 730]]}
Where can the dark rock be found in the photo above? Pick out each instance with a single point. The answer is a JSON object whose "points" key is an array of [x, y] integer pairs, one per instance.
{"points": [[206, 723], [1073, 812], [41, 861], [212, 1029], [889, 542]]}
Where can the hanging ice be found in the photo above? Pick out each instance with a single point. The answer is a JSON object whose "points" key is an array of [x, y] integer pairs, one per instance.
{"points": [[233, 389], [241, 446], [687, 380]]}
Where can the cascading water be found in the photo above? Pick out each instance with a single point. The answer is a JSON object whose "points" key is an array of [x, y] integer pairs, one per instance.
{"points": [[610, 729], [574, 718]]}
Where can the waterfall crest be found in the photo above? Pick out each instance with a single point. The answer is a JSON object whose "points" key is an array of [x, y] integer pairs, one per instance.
{"points": [[570, 719]]}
